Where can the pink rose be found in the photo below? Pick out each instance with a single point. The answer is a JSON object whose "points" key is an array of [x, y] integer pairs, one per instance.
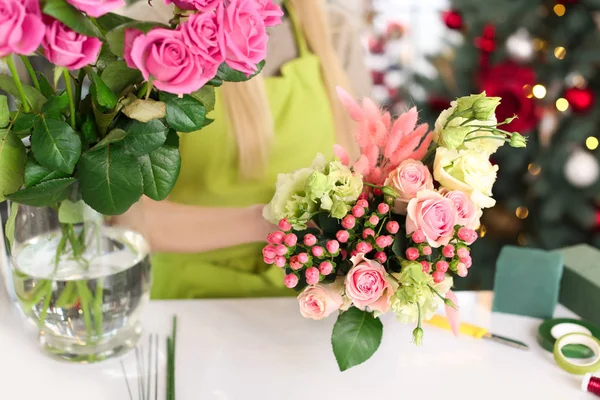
{"points": [[367, 286], [270, 12], [201, 34], [201, 5], [407, 180], [67, 48], [96, 8], [434, 215], [163, 55], [468, 213], [21, 27], [320, 301], [243, 38]]}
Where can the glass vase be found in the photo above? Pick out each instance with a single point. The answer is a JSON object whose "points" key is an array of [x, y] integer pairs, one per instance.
{"points": [[81, 278]]}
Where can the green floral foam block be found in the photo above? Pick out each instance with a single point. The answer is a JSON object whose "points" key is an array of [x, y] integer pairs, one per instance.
{"points": [[527, 281]]}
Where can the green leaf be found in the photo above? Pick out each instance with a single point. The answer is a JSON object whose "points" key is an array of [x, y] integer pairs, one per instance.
{"points": [[142, 138], [111, 20], [45, 86], [71, 17], [35, 98], [229, 74], [9, 229], [102, 93], [328, 225], [12, 162], [4, 112], [105, 58], [399, 246], [24, 122], [116, 135], [206, 95], [145, 110], [355, 338], [58, 73], [55, 145], [44, 194], [103, 120], [215, 82], [185, 114], [116, 36], [35, 173], [88, 129], [110, 179], [160, 168], [56, 104], [118, 76], [71, 212]]}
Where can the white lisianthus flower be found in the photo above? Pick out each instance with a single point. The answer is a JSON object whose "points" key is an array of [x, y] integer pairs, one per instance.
{"points": [[468, 171], [347, 186]]}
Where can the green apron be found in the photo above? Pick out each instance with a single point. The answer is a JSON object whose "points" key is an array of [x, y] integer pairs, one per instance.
{"points": [[209, 178]]}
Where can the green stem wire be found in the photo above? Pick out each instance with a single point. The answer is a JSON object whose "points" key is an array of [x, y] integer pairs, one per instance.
{"points": [[34, 79], [84, 298], [98, 307], [69, 86], [15, 75], [46, 305]]}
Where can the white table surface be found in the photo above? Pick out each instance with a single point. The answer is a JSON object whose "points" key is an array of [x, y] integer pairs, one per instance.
{"points": [[263, 349]]}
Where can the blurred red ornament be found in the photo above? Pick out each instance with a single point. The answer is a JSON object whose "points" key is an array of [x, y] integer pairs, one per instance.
{"points": [[438, 104], [395, 30], [597, 225], [394, 93], [507, 80], [376, 45], [487, 41], [378, 77], [580, 100], [453, 19]]}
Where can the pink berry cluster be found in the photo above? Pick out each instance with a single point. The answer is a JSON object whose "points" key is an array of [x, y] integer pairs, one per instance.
{"points": [[455, 256]]}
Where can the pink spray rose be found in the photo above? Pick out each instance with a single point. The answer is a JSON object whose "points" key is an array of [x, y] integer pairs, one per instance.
{"points": [[434, 215], [367, 286], [163, 55], [320, 301], [468, 212], [407, 180], [269, 11], [21, 27], [243, 38], [200, 5], [96, 8], [67, 48], [201, 34]]}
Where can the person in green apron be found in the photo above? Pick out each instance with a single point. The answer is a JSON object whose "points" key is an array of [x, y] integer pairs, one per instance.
{"points": [[208, 236]]}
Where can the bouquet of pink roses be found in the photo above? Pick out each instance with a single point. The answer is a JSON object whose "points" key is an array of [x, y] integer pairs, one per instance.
{"points": [[389, 231]]}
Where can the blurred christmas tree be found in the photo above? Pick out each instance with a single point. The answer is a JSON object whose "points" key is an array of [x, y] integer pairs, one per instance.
{"points": [[542, 58]]}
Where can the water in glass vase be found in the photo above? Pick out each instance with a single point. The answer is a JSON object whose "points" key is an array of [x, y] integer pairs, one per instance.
{"points": [[87, 302]]}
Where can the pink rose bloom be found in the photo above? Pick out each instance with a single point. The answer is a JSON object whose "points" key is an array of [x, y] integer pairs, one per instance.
{"points": [[367, 286], [163, 55], [468, 212], [201, 5], [21, 27], [201, 34], [407, 180], [67, 48], [96, 8], [243, 38], [434, 214], [270, 12], [320, 301]]}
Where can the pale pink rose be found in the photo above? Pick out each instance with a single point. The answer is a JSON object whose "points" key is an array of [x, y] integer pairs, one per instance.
{"points": [[96, 8], [21, 27], [468, 212], [320, 301], [201, 34], [201, 5], [434, 215], [243, 38], [367, 286], [270, 12], [407, 180], [163, 55], [67, 48]]}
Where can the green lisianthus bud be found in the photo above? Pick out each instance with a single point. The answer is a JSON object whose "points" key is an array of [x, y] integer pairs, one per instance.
{"points": [[316, 185], [516, 140], [418, 335], [339, 209], [454, 136], [388, 191], [466, 103], [485, 107]]}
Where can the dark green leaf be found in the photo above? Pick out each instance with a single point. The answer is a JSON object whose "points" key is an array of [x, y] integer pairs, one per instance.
{"points": [[35, 173], [71, 212], [206, 96], [71, 17], [102, 93], [45, 194], [111, 20], [328, 225], [110, 179], [106, 57], [88, 129], [118, 76], [103, 120], [45, 86], [56, 104], [35, 98], [185, 114], [142, 138], [9, 229], [160, 168], [4, 113], [116, 36], [355, 338], [55, 145], [229, 74], [12, 162], [215, 82], [24, 122], [399, 246], [116, 135]]}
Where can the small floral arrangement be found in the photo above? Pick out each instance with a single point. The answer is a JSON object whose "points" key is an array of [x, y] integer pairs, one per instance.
{"points": [[391, 230]]}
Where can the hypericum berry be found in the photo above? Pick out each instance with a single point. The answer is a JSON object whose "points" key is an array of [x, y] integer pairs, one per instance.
{"points": [[290, 240], [312, 276], [280, 261], [467, 235], [392, 227], [290, 280], [362, 203], [377, 192], [353, 253], [448, 251], [269, 251], [418, 236], [463, 252], [344, 254], [412, 253], [442, 266], [310, 240], [358, 211], [326, 267], [468, 261], [439, 276], [332, 246], [269, 261], [281, 250], [275, 237], [295, 264], [284, 225], [368, 232], [348, 222], [383, 208], [382, 242], [363, 247], [303, 258], [374, 220], [461, 270], [426, 267], [381, 257], [390, 240], [342, 236], [426, 250], [317, 251]]}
